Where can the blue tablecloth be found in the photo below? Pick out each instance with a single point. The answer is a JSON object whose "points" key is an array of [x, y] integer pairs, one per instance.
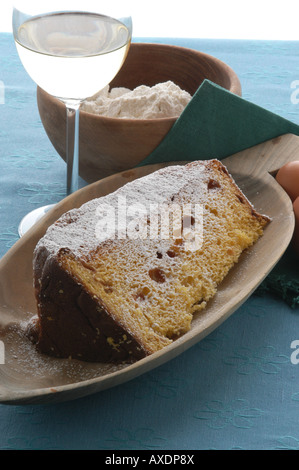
{"points": [[236, 389]]}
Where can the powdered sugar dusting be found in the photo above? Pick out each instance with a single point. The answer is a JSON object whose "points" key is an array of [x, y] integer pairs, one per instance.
{"points": [[34, 370], [76, 230]]}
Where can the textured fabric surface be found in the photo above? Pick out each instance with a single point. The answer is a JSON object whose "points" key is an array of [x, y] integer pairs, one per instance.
{"points": [[236, 389]]}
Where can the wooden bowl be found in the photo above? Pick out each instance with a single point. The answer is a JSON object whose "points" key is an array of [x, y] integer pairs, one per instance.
{"points": [[111, 145]]}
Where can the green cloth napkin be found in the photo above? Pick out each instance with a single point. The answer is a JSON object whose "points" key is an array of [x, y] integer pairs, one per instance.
{"points": [[215, 124], [283, 281]]}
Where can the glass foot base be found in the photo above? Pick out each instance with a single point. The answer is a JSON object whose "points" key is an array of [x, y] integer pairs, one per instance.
{"points": [[30, 219]]}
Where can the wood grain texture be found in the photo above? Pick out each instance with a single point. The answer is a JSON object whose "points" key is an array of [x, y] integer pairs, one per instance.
{"points": [[26, 378], [109, 145]]}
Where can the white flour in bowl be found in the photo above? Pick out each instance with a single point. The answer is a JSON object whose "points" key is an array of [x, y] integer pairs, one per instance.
{"points": [[160, 101]]}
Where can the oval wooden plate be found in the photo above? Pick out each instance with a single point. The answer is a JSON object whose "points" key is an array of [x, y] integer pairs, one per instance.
{"points": [[29, 378]]}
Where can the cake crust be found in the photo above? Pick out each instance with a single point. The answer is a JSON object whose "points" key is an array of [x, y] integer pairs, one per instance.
{"points": [[73, 324]]}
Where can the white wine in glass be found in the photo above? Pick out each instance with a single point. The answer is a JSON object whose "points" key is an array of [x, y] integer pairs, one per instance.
{"points": [[71, 54]]}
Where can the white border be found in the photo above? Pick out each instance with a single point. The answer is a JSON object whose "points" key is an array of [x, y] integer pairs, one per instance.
{"points": [[230, 19]]}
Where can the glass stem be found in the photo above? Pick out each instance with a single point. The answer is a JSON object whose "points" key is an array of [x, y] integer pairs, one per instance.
{"points": [[72, 145]]}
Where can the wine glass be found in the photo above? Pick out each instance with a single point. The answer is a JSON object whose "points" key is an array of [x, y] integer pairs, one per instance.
{"points": [[72, 49]]}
